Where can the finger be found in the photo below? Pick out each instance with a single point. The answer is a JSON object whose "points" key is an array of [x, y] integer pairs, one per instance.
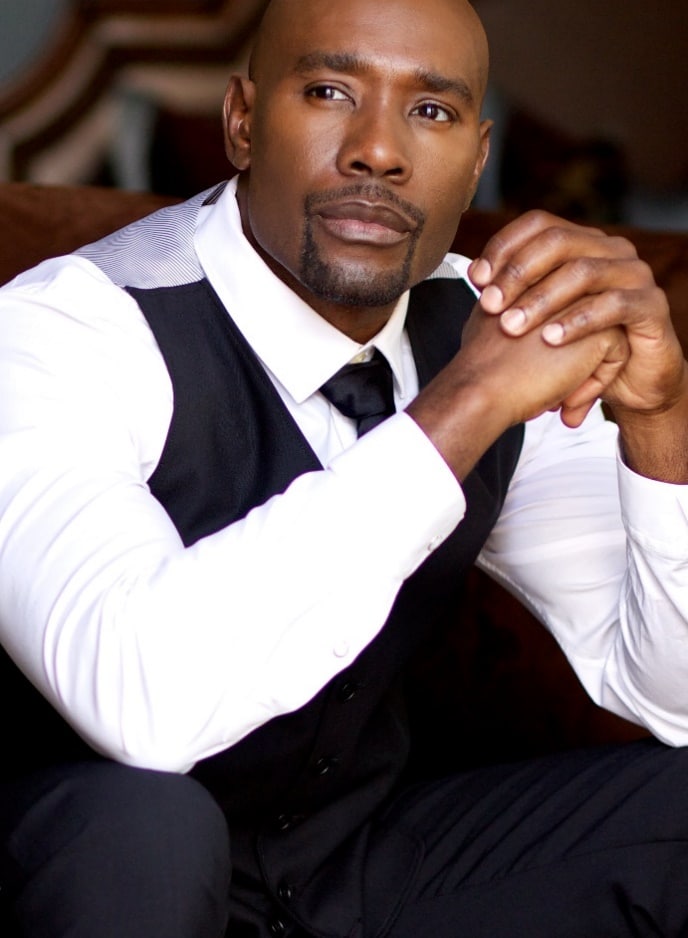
{"points": [[571, 282], [511, 238], [577, 405], [517, 260], [644, 311], [542, 255], [574, 416], [591, 390]]}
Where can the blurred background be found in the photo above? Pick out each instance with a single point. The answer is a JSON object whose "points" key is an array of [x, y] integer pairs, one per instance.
{"points": [[587, 96]]}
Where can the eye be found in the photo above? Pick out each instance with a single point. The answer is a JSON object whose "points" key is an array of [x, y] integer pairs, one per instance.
{"points": [[326, 93], [432, 111]]}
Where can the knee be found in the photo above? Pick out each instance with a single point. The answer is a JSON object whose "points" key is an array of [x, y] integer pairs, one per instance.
{"points": [[103, 808], [99, 841], [138, 805]]}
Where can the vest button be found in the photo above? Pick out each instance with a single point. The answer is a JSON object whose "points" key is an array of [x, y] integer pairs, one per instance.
{"points": [[285, 892], [277, 927], [325, 765], [348, 691], [285, 822]]}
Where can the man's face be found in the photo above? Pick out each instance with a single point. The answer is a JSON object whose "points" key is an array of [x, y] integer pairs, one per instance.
{"points": [[362, 136]]}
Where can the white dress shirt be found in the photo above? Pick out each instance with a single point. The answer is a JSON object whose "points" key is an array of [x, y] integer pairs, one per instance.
{"points": [[161, 655]]}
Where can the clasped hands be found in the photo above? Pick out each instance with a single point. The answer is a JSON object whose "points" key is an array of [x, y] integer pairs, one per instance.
{"points": [[568, 315], [587, 294]]}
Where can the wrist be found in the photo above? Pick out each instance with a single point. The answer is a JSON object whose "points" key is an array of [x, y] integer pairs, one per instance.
{"points": [[654, 442], [461, 419]]}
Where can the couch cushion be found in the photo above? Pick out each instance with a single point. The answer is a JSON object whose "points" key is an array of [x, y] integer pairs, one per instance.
{"points": [[44, 221]]}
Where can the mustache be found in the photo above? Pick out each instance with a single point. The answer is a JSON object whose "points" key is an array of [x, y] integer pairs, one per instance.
{"points": [[369, 192]]}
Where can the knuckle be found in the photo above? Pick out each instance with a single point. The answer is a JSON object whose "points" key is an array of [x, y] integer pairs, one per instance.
{"points": [[514, 270], [583, 268], [536, 301], [617, 301], [539, 218], [658, 298], [644, 271], [621, 246], [582, 319], [496, 246], [616, 304], [559, 238]]}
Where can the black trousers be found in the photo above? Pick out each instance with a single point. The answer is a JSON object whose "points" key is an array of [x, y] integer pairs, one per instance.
{"points": [[586, 844]]}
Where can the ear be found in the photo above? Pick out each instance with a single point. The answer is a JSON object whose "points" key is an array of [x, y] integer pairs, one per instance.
{"points": [[483, 153], [238, 108]]}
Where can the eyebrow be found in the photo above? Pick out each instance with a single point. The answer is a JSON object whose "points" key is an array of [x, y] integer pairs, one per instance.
{"points": [[356, 64]]}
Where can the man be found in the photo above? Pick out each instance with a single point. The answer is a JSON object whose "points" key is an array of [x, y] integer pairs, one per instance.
{"points": [[215, 578]]}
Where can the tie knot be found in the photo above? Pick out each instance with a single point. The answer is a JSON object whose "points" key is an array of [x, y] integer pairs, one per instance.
{"points": [[363, 391]]}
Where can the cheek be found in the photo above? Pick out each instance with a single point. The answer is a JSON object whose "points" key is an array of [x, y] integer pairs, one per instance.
{"points": [[444, 202], [445, 206], [287, 165], [275, 195], [296, 150]]}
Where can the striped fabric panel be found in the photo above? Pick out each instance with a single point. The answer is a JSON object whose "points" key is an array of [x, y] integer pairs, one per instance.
{"points": [[156, 251], [445, 271]]}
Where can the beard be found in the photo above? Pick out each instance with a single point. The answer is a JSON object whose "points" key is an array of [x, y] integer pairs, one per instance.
{"points": [[355, 285]]}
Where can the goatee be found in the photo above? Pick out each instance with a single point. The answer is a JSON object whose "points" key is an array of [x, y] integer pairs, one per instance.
{"points": [[356, 285]]}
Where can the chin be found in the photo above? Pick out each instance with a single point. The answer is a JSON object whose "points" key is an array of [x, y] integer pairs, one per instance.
{"points": [[353, 284]]}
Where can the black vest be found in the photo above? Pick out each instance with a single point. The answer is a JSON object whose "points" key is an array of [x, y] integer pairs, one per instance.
{"points": [[339, 756]]}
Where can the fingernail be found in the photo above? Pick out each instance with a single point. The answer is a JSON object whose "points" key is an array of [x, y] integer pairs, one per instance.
{"points": [[481, 271], [553, 333], [514, 320], [492, 299]]}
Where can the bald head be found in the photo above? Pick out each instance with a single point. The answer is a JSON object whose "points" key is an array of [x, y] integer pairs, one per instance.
{"points": [[284, 18]]}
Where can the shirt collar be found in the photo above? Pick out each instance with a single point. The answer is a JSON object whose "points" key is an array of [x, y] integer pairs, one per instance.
{"points": [[270, 315]]}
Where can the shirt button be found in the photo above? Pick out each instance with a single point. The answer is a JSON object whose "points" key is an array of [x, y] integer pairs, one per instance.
{"points": [[434, 543], [341, 648]]}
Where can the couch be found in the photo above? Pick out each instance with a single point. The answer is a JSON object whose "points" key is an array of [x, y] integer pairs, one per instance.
{"points": [[499, 683]]}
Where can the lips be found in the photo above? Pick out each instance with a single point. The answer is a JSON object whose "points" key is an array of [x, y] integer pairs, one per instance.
{"points": [[365, 222]]}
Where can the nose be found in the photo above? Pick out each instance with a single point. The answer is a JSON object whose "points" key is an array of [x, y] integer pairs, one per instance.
{"points": [[376, 144]]}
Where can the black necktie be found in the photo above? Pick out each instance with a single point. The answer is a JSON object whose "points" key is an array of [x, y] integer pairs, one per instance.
{"points": [[363, 391]]}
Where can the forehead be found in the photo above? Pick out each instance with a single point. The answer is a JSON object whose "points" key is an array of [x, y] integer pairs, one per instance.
{"points": [[440, 37]]}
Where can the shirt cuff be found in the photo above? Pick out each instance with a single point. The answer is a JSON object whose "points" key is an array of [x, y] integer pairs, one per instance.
{"points": [[654, 513]]}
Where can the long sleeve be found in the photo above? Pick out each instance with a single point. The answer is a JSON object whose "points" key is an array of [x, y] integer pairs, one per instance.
{"points": [[600, 555], [157, 654]]}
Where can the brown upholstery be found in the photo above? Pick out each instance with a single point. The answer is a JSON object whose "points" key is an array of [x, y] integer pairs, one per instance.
{"points": [[502, 684], [37, 222]]}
